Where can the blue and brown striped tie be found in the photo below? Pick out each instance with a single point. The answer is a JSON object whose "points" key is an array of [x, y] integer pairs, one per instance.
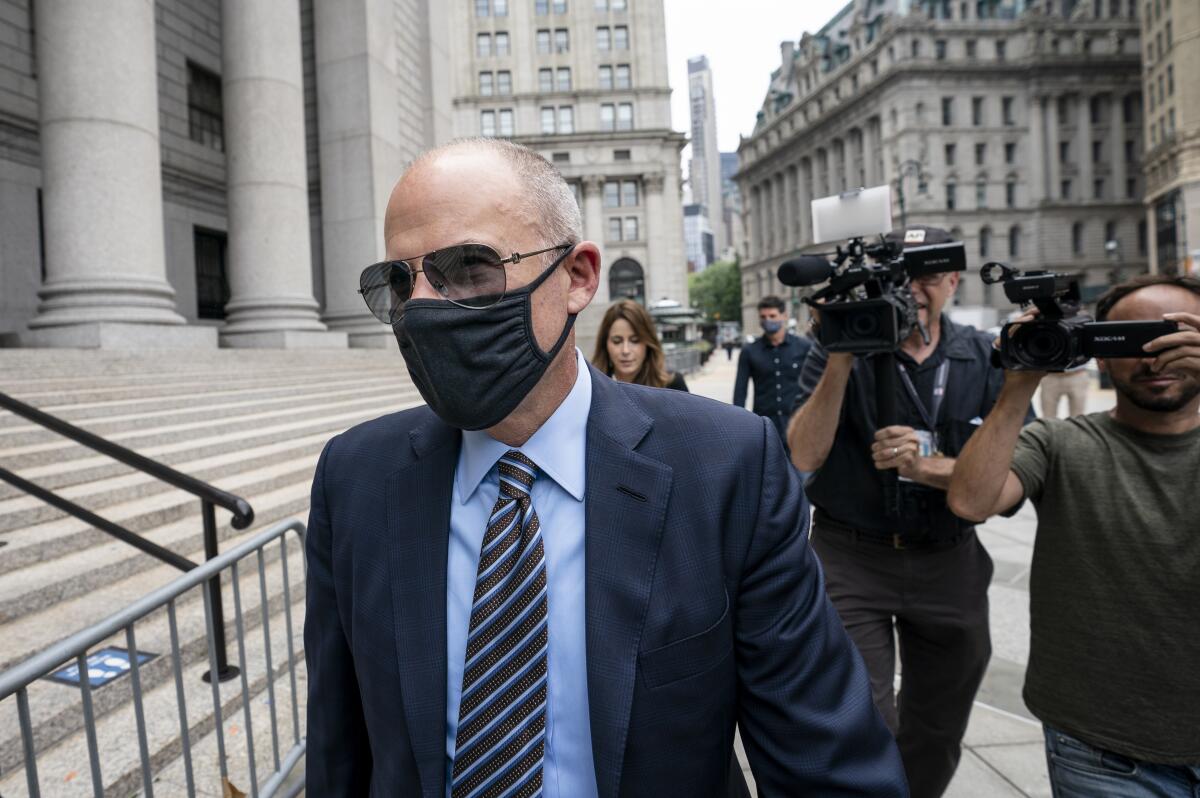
{"points": [[501, 739]]}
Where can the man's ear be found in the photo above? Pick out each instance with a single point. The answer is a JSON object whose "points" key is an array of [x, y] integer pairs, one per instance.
{"points": [[583, 268]]}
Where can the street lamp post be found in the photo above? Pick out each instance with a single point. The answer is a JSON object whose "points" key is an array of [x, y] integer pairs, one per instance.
{"points": [[914, 167]]}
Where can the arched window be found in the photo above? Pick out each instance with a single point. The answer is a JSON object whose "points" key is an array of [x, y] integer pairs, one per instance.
{"points": [[985, 242], [627, 281], [1014, 242]]}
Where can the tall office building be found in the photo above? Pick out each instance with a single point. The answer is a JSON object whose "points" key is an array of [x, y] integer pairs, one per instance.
{"points": [[704, 172], [186, 171], [585, 84], [1171, 49], [1017, 126], [731, 207]]}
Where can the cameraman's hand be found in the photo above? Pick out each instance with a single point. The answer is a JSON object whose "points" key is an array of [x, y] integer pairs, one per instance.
{"points": [[899, 448], [1182, 348]]}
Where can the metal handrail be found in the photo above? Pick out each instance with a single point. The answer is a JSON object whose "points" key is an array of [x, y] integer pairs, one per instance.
{"points": [[243, 513], [75, 647], [210, 496]]}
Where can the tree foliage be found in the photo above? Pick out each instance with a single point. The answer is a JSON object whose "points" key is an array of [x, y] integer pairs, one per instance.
{"points": [[717, 291]]}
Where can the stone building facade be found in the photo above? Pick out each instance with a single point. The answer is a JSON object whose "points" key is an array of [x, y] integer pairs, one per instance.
{"points": [[585, 84], [1016, 126], [188, 172], [1171, 62]]}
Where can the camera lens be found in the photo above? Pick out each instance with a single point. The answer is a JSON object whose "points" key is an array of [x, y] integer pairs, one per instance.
{"points": [[864, 325], [1044, 345]]}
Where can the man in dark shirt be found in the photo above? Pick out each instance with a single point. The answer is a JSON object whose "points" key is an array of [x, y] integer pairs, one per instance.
{"points": [[773, 361], [922, 577], [1113, 596]]}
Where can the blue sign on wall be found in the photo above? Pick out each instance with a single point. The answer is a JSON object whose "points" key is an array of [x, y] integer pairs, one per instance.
{"points": [[103, 666]]}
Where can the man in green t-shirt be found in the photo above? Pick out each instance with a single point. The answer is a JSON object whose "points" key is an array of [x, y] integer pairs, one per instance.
{"points": [[1114, 594]]}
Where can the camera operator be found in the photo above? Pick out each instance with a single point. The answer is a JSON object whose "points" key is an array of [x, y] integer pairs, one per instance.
{"points": [[922, 577], [1114, 593]]}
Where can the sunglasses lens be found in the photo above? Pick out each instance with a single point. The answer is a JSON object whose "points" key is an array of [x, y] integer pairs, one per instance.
{"points": [[385, 287], [470, 274]]}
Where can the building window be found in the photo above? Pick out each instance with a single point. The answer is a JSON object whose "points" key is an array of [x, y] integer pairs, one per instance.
{"points": [[1010, 152], [564, 79], [485, 84], [981, 193], [1014, 241], [487, 123], [563, 157], [500, 8], [977, 111], [622, 155], [1077, 238], [560, 6], [1010, 194], [205, 115], [605, 77], [1065, 190], [1170, 80], [506, 122], [621, 37], [566, 119], [619, 5], [1098, 188], [1129, 152], [481, 8], [1131, 187], [502, 43], [1097, 151], [541, 7], [972, 48], [631, 229], [603, 38], [1001, 49], [939, 49], [985, 241], [916, 48], [1095, 110], [545, 80], [212, 280], [614, 228], [601, 5], [1110, 231], [562, 40], [625, 116], [1063, 111], [504, 82], [547, 120], [950, 192], [623, 77], [950, 152], [543, 42], [1141, 237], [1129, 108], [947, 111], [608, 116], [612, 194], [1064, 151], [1006, 111], [483, 45], [980, 154], [629, 193]]}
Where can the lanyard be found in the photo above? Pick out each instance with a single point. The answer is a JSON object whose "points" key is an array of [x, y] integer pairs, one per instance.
{"points": [[939, 393]]}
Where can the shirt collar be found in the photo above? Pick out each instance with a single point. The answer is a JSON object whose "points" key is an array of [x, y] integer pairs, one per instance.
{"points": [[557, 447]]}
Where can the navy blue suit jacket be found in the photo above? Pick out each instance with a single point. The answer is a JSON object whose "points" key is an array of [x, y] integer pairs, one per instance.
{"points": [[705, 608]]}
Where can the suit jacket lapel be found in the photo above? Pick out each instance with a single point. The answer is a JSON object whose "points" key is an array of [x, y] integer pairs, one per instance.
{"points": [[418, 505], [625, 507]]}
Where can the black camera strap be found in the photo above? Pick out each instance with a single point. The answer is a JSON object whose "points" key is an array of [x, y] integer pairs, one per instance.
{"points": [[928, 415]]}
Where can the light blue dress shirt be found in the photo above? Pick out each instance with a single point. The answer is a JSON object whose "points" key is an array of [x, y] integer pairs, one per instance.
{"points": [[559, 449]]}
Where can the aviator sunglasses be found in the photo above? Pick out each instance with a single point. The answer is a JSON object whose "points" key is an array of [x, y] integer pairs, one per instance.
{"points": [[468, 275]]}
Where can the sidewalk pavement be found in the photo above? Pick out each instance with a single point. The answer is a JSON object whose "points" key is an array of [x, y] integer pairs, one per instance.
{"points": [[1004, 754]]}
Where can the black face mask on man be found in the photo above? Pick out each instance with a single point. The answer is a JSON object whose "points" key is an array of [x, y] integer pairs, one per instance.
{"points": [[474, 366]]}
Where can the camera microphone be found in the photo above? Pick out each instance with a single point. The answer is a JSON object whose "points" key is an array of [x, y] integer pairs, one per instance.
{"points": [[805, 270]]}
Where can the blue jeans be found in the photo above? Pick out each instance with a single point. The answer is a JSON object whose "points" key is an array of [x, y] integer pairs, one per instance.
{"points": [[1080, 770]]}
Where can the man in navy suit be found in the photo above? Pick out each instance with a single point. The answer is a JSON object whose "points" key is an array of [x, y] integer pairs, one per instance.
{"points": [[545, 582]]}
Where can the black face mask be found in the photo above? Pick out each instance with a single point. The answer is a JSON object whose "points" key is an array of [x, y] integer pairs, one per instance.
{"points": [[474, 366]]}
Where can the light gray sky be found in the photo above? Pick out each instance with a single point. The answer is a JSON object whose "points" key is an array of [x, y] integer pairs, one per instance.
{"points": [[741, 39]]}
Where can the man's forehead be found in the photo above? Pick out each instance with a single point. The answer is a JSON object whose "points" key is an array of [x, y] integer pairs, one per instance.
{"points": [[1153, 301]]}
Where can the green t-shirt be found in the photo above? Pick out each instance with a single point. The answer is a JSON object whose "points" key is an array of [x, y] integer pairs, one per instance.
{"points": [[1114, 595]]}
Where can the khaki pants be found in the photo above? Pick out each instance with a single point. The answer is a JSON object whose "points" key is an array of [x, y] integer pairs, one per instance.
{"points": [[1071, 384]]}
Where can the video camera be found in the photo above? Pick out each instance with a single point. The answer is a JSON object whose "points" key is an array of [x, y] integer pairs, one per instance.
{"points": [[868, 305], [1062, 337]]}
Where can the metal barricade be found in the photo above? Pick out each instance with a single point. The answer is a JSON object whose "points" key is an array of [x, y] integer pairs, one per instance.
{"points": [[682, 360], [75, 648]]}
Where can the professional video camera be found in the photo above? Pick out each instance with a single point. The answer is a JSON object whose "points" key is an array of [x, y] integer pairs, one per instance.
{"points": [[1061, 337], [868, 304]]}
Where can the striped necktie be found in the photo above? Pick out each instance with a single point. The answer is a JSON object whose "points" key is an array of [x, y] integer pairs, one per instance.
{"points": [[501, 736]]}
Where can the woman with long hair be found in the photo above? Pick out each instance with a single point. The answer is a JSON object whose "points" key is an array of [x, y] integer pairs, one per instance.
{"points": [[628, 349]]}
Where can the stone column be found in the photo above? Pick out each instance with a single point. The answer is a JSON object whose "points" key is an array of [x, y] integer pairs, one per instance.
{"points": [[1116, 150], [768, 217], [1037, 150], [359, 132], [106, 283], [662, 276], [1083, 146], [1151, 240], [270, 262], [593, 227], [1053, 163], [781, 220], [805, 178], [758, 222], [791, 189]]}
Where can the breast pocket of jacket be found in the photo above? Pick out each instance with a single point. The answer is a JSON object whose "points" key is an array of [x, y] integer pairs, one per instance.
{"points": [[690, 657]]}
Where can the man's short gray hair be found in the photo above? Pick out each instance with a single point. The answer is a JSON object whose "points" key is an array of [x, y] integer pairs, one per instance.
{"points": [[549, 199]]}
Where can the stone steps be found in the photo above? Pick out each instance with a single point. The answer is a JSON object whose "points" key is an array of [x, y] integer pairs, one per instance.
{"points": [[251, 423]]}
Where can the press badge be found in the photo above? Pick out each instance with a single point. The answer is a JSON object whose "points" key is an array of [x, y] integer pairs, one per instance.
{"points": [[927, 443]]}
